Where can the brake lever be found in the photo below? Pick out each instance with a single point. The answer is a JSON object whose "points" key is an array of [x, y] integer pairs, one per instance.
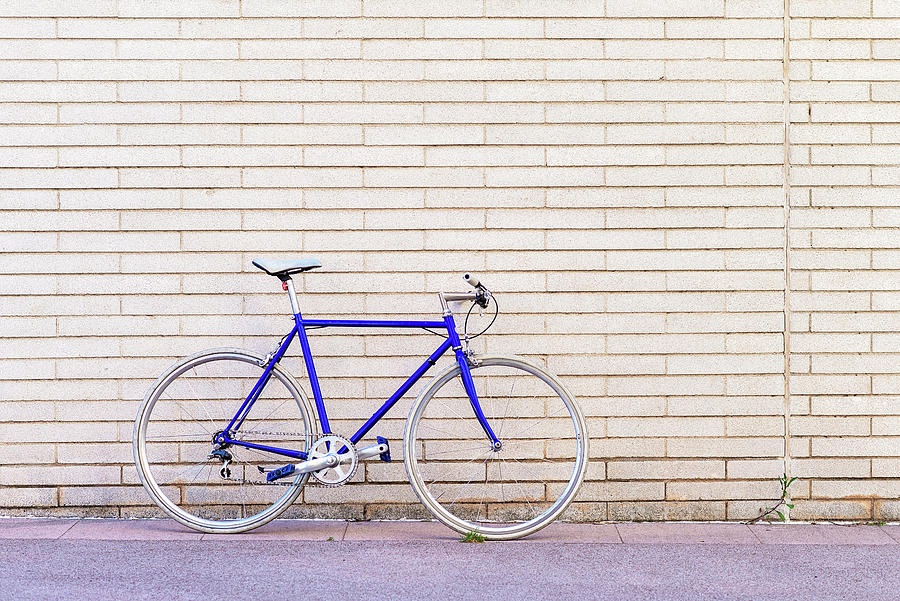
{"points": [[482, 294], [482, 297]]}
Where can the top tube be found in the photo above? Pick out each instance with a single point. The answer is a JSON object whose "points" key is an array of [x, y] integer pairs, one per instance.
{"points": [[369, 323]]}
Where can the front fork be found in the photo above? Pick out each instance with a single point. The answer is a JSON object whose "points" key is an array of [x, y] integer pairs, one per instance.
{"points": [[468, 383]]}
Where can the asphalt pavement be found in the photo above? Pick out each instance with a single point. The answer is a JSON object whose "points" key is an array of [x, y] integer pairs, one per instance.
{"points": [[292, 559]]}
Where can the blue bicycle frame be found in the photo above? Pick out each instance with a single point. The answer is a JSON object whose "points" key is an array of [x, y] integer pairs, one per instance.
{"points": [[299, 329]]}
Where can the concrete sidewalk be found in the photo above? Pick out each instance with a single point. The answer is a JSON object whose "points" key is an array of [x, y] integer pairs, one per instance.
{"points": [[100, 560], [313, 530]]}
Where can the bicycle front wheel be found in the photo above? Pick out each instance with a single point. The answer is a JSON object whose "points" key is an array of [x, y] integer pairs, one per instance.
{"points": [[503, 493], [204, 486]]}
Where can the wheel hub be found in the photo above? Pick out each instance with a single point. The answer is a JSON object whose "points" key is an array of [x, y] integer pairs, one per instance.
{"points": [[218, 439]]}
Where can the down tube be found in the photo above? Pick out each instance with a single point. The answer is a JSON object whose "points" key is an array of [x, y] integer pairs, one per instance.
{"points": [[401, 391]]}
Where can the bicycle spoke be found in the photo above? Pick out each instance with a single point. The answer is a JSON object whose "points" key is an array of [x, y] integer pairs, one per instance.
{"points": [[487, 472], [199, 423], [466, 463], [202, 464], [545, 418], [506, 409], [469, 482], [455, 451], [524, 493], [270, 414]]}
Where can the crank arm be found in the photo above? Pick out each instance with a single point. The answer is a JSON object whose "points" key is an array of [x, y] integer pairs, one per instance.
{"points": [[311, 465], [372, 451], [380, 449]]}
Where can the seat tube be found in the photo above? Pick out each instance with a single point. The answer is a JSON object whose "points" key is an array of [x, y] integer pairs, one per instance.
{"points": [[311, 371], [466, 374]]}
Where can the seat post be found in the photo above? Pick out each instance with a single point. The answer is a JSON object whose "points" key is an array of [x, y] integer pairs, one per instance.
{"points": [[289, 286]]}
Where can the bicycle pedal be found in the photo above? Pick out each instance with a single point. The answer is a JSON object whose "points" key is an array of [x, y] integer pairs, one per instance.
{"points": [[386, 456], [281, 472]]}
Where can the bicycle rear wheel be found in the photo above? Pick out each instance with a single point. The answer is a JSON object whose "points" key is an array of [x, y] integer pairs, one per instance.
{"points": [[501, 493], [186, 407]]}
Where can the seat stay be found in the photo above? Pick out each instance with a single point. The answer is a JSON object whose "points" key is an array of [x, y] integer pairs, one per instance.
{"points": [[245, 407]]}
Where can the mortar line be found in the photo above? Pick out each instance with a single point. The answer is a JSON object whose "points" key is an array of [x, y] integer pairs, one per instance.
{"points": [[786, 186]]}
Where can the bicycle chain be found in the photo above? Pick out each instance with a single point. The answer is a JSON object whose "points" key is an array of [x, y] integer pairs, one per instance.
{"points": [[309, 482]]}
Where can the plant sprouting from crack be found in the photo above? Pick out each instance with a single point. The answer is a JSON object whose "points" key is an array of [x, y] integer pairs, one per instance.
{"points": [[472, 537], [785, 484]]}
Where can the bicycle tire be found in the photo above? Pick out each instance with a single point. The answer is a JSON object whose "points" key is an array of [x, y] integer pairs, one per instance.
{"points": [[509, 508], [160, 463]]}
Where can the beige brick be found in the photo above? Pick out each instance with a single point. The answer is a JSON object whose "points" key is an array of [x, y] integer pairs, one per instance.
{"points": [[483, 70], [666, 470], [675, 49], [317, 27], [834, 8], [837, 489], [761, 469], [174, 49], [27, 28], [301, 91], [544, 49], [735, 74], [854, 446], [427, 91], [31, 498], [516, 8], [721, 490], [606, 70], [644, 8]]}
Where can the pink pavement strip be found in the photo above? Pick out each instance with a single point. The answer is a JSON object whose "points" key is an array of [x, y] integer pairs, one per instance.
{"points": [[893, 531], [576, 533], [130, 530], [307, 530], [691, 533], [34, 527], [821, 534], [399, 531], [323, 530]]}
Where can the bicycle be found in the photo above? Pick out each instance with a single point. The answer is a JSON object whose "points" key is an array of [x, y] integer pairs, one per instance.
{"points": [[493, 444]]}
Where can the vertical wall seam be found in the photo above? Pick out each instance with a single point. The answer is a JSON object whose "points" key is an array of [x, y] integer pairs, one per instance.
{"points": [[786, 185]]}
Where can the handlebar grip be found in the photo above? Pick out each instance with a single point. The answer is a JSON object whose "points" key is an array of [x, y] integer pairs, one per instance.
{"points": [[472, 280]]}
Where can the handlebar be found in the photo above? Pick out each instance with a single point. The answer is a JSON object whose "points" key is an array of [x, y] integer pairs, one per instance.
{"points": [[481, 296]]}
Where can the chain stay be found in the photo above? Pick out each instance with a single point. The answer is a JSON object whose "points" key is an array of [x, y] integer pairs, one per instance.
{"points": [[255, 482], [309, 482]]}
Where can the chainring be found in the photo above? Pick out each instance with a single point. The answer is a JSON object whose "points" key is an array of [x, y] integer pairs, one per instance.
{"points": [[343, 471]]}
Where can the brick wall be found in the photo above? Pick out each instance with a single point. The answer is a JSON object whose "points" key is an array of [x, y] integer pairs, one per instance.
{"points": [[845, 258], [615, 170]]}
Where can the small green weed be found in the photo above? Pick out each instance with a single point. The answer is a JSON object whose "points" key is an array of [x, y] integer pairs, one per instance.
{"points": [[330, 538], [472, 537], [785, 484]]}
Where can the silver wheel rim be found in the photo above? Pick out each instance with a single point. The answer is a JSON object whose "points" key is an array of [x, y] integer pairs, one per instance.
{"points": [[281, 496], [415, 444]]}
